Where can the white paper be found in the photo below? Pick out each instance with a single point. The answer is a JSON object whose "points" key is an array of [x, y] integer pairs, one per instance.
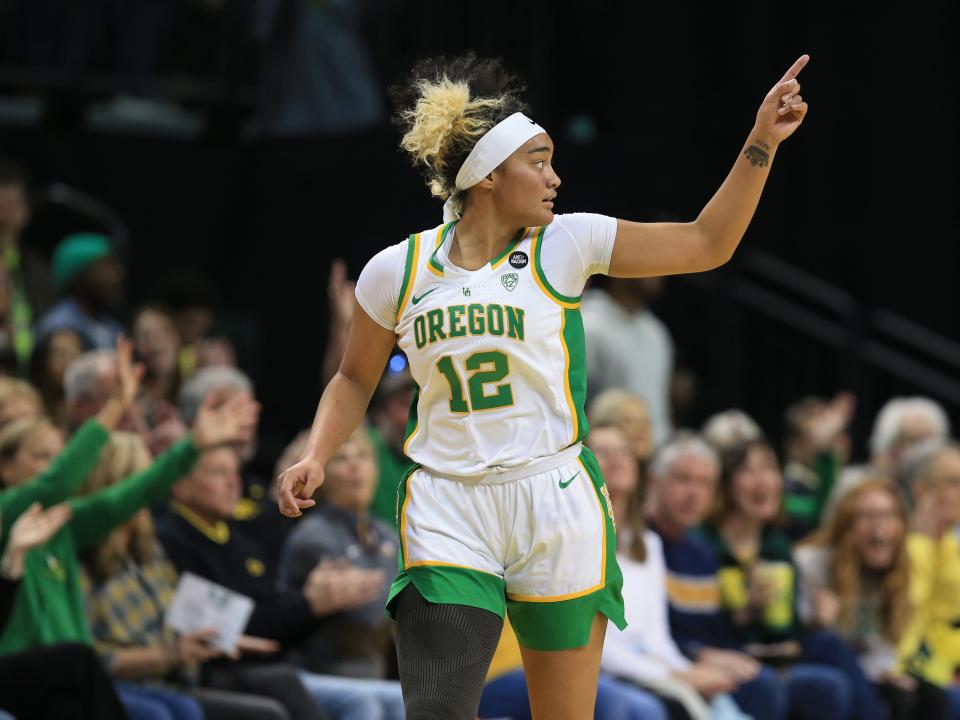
{"points": [[203, 605]]}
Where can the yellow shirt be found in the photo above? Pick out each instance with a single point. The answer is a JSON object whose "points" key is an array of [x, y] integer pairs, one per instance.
{"points": [[935, 583]]}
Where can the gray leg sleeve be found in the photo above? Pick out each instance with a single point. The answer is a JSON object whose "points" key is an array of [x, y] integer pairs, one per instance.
{"points": [[443, 652]]}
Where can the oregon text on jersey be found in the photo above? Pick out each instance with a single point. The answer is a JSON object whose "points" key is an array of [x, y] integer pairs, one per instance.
{"points": [[462, 320]]}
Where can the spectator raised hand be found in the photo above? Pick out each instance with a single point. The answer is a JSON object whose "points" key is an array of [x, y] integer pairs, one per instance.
{"points": [[32, 529], [826, 425], [128, 377], [223, 423]]}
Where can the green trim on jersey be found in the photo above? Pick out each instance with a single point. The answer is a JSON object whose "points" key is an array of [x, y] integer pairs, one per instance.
{"points": [[413, 422], [408, 272], [433, 262], [511, 246], [576, 342], [538, 268]]}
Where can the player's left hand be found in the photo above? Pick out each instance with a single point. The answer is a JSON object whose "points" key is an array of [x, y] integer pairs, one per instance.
{"points": [[783, 109]]}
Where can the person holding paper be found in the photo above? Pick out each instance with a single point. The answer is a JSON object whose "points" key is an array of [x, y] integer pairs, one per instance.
{"points": [[201, 537], [131, 584]]}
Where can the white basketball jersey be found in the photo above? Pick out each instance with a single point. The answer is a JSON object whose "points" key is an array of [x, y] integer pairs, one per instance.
{"points": [[498, 353]]}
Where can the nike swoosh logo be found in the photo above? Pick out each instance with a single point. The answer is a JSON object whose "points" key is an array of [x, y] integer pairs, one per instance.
{"points": [[564, 484], [416, 299]]}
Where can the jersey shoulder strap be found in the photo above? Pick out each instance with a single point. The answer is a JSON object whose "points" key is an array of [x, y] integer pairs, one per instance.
{"points": [[421, 253]]}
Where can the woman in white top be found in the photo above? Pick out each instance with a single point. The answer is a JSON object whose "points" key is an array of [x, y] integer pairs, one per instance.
{"points": [[504, 509], [645, 652]]}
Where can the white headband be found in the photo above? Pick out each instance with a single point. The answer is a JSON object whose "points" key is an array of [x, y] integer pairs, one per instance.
{"points": [[497, 144]]}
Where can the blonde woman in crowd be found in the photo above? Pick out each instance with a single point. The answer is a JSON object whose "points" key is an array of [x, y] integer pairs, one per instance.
{"points": [[18, 400], [855, 578]]}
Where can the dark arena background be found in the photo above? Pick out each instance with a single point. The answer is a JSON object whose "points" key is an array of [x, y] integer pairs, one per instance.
{"points": [[846, 278]]}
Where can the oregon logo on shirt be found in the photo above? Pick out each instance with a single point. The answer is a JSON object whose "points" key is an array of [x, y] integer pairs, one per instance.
{"points": [[462, 320]]}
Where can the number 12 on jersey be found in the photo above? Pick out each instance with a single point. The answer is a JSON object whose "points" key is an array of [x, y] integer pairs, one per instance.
{"points": [[486, 367]]}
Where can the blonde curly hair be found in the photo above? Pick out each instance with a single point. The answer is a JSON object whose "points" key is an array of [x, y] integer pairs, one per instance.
{"points": [[444, 106]]}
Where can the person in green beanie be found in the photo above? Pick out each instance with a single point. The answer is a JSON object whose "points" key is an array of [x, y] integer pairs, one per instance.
{"points": [[88, 277]]}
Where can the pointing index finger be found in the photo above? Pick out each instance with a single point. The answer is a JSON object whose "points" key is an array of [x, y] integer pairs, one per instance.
{"points": [[795, 68]]}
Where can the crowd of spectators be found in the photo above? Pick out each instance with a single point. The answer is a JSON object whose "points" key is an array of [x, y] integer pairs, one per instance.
{"points": [[126, 461]]}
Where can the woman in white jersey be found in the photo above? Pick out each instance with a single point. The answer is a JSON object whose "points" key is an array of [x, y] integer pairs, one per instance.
{"points": [[504, 510]]}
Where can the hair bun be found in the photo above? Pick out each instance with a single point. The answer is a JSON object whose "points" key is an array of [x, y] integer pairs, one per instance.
{"points": [[445, 106]]}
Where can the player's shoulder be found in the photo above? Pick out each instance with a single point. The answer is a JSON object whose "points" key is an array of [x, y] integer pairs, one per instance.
{"points": [[392, 256], [577, 223]]}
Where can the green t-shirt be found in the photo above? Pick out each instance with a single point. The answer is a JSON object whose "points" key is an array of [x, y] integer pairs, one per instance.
{"points": [[49, 606], [392, 469]]}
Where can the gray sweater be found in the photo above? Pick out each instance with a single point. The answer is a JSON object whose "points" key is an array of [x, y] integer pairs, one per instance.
{"points": [[352, 643]]}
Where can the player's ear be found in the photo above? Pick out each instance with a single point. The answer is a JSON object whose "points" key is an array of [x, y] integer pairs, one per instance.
{"points": [[487, 182]]}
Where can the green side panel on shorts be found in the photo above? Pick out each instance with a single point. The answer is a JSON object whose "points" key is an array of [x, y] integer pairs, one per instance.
{"points": [[452, 585], [566, 624], [402, 579], [576, 342], [401, 496], [612, 605], [538, 268]]}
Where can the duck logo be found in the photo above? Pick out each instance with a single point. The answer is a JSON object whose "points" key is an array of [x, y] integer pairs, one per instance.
{"points": [[509, 281], [519, 259], [255, 566]]}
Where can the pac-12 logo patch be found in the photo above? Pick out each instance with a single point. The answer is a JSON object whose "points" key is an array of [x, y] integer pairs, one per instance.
{"points": [[519, 259], [509, 281]]}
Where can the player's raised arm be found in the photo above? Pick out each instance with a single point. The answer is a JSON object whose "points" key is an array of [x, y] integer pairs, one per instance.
{"points": [[652, 249]]}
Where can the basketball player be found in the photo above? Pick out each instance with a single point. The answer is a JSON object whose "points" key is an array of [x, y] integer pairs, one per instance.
{"points": [[503, 509]]}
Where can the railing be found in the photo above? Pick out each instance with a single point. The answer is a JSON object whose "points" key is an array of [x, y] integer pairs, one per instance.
{"points": [[817, 309]]}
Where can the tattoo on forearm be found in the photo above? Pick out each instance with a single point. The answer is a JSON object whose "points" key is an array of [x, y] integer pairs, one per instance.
{"points": [[758, 154]]}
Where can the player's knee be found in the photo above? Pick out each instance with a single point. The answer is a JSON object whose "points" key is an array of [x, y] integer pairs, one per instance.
{"points": [[445, 651]]}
